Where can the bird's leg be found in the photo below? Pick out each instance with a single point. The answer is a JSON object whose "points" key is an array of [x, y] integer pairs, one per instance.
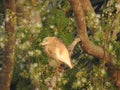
{"points": [[59, 69], [57, 74], [53, 80]]}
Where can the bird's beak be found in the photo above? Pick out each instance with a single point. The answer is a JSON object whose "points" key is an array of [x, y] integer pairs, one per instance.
{"points": [[43, 43]]}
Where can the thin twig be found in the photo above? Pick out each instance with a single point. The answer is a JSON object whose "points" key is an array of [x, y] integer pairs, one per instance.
{"points": [[71, 47]]}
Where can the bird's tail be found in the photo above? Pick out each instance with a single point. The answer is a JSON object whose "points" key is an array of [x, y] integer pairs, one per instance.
{"points": [[71, 65]]}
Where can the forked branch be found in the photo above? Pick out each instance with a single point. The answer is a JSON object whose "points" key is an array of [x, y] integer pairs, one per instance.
{"points": [[86, 44]]}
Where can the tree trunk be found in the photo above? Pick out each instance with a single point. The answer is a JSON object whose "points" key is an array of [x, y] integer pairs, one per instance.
{"points": [[8, 61]]}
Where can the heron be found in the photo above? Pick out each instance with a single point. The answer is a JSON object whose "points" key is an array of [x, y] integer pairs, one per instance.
{"points": [[56, 50]]}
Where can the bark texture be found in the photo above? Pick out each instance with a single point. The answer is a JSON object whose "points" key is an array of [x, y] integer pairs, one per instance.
{"points": [[80, 9], [8, 61], [86, 44]]}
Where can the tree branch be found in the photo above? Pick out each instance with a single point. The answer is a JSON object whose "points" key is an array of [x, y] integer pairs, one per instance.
{"points": [[86, 44], [71, 47], [86, 5]]}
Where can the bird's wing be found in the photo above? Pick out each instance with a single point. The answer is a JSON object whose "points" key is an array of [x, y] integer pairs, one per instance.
{"points": [[58, 51], [50, 50], [63, 56], [58, 54]]}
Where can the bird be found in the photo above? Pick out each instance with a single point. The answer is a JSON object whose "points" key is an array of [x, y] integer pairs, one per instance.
{"points": [[55, 49]]}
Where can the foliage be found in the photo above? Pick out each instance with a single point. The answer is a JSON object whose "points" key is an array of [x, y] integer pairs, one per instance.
{"points": [[32, 64]]}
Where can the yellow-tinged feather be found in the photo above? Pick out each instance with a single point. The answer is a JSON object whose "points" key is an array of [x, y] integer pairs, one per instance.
{"points": [[56, 49]]}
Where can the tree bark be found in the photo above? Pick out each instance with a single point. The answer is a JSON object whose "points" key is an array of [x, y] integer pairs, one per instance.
{"points": [[80, 8], [86, 44], [86, 5], [8, 61]]}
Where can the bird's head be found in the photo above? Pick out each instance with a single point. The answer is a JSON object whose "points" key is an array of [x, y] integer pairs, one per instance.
{"points": [[46, 41]]}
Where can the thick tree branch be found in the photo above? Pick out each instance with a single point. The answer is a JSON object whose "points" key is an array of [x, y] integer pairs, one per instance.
{"points": [[86, 5], [80, 8], [86, 44]]}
